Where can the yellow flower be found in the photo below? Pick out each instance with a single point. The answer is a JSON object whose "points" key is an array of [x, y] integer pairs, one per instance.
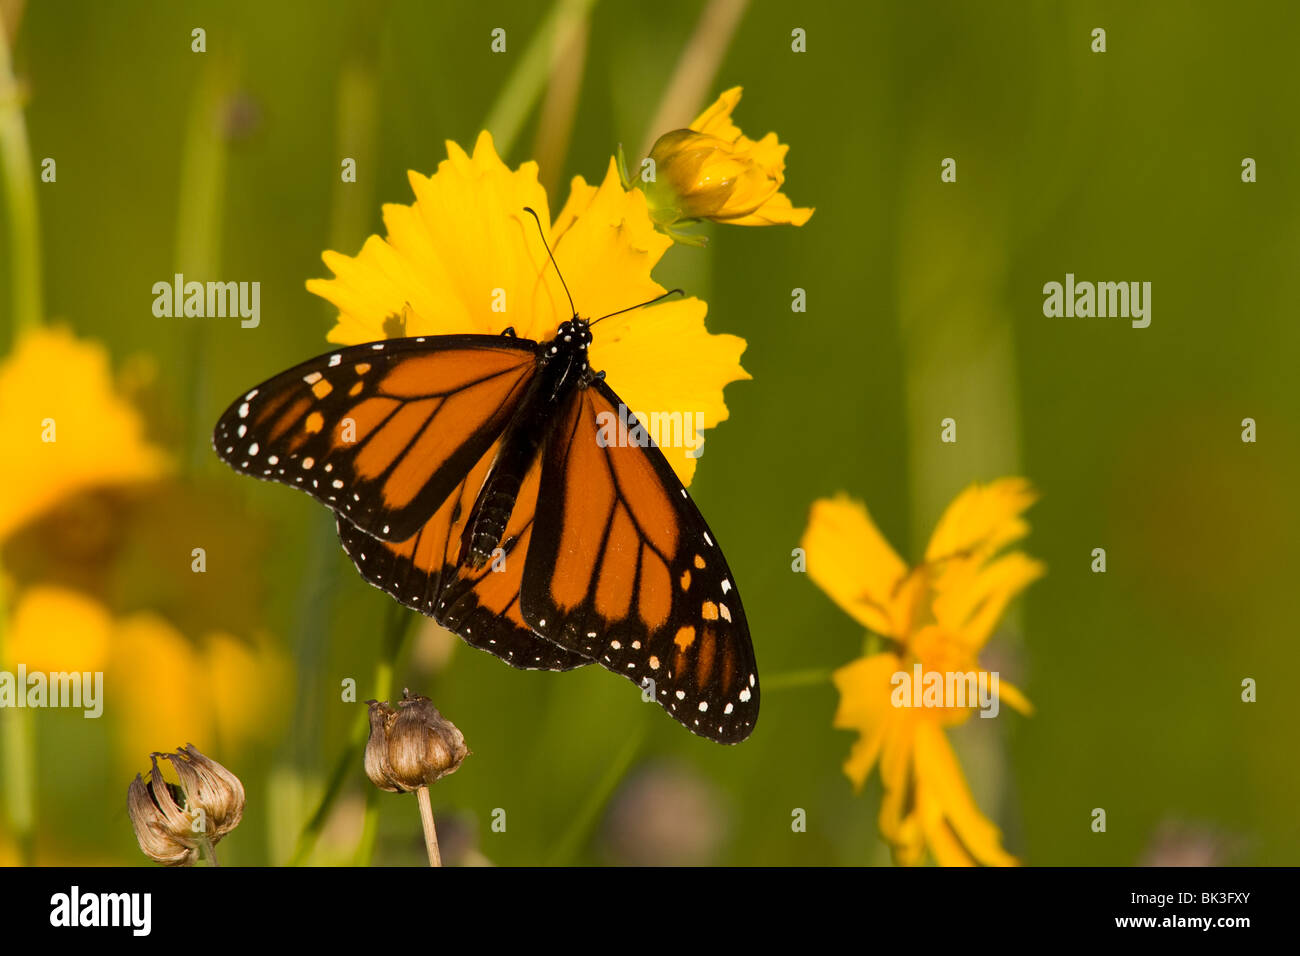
{"points": [[58, 629], [937, 616], [157, 686], [465, 257], [65, 427], [222, 692], [713, 171]]}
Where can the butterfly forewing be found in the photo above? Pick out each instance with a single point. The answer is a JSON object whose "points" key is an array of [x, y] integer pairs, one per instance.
{"points": [[624, 570], [381, 433]]}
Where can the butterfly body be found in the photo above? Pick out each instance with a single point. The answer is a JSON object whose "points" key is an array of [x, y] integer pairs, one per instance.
{"points": [[562, 368], [471, 482]]}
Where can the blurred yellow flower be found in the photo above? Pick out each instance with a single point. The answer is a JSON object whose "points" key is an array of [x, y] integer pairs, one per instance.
{"points": [[219, 691], [58, 629], [937, 615], [158, 685], [65, 427], [465, 257], [713, 171]]}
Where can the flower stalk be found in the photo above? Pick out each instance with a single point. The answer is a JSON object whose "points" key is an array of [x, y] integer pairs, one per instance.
{"points": [[430, 831], [412, 746], [20, 199]]}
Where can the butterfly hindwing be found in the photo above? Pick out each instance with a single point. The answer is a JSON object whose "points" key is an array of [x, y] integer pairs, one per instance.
{"points": [[482, 606], [383, 432], [623, 569]]}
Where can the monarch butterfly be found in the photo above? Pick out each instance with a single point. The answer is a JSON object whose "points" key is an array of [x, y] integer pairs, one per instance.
{"points": [[471, 482]]}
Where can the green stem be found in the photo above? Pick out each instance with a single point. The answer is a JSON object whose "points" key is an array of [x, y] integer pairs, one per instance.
{"points": [[369, 829], [350, 757], [584, 820], [198, 236], [19, 768], [394, 636], [348, 216], [696, 67], [20, 199], [526, 81], [347, 760]]}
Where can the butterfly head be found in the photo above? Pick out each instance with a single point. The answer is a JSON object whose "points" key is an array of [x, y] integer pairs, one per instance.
{"points": [[575, 333]]}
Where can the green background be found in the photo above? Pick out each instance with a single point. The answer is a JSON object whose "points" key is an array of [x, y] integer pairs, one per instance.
{"points": [[924, 302]]}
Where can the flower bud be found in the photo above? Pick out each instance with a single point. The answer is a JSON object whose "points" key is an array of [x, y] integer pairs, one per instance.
{"points": [[698, 176], [172, 821], [713, 171], [411, 745]]}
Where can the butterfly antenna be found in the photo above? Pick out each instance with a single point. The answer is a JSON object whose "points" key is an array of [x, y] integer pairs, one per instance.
{"points": [[542, 232], [640, 306]]}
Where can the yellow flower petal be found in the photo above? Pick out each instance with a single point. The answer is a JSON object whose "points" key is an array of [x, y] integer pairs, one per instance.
{"points": [[1012, 696], [982, 519], [606, 252], [466, 248], [865, 707], [150, 687], [66, 429], [777, 211], [943, 795], [165, 687], [716, 119], [246, 684], [898, 822], [851, 561], [943, 843], [970, 599], [55, 629]]}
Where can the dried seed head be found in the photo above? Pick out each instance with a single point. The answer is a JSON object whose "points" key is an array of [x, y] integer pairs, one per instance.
{"points": [[411, 745], [171, 820]]}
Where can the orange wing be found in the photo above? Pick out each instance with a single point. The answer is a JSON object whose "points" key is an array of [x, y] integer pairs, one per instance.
{"points": [[624, 570], [481, 606], [382, 433]]}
